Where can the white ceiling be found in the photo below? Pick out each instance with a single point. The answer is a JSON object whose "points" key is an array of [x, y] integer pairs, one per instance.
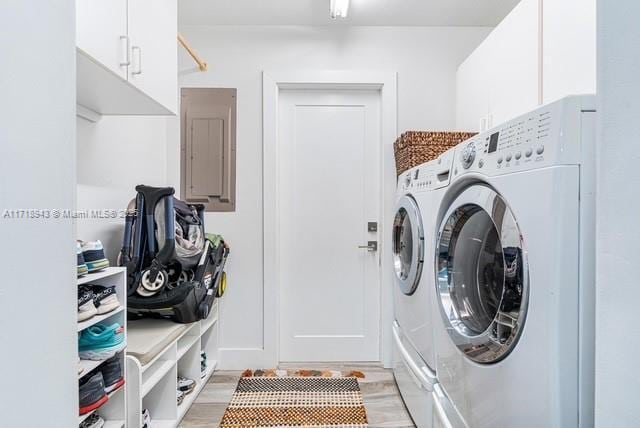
{"points": [[361, 12]]}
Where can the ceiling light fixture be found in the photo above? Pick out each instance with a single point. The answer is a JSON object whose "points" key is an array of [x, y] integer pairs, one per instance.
{"points": [[339, 8]]}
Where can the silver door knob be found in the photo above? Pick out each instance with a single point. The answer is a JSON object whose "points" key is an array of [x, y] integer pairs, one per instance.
{"points": [[371, 246]]}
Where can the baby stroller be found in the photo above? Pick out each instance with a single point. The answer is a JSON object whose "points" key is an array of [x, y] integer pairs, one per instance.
{"points": [[173, 269]]}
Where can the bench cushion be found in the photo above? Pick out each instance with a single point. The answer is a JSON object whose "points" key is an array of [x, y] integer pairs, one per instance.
{"points": [[146, 338]]}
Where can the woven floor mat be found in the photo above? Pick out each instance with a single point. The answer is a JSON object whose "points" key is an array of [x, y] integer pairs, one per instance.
{"points": [[303, 398]]}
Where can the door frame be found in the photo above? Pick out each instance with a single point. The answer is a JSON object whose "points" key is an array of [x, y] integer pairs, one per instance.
{"points": [[272, 84]]}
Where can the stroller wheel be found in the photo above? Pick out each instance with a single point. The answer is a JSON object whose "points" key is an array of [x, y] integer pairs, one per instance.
{"points": [[174, 273], [184, 277], [148, 288]]}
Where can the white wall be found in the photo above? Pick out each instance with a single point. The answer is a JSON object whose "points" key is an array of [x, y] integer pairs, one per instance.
{"points": [[618, 230], [38, 299], [425, 59], [114, 155]]}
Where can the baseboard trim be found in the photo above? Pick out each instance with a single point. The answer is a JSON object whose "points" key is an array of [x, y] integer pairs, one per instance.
{"points": [[241, 359], [257, 358]]}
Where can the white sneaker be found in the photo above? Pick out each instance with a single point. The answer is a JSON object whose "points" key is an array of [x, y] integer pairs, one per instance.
{"points": [[86, 307], [105, 298], [146, 419]]}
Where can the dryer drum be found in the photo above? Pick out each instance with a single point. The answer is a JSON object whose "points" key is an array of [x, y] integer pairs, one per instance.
{"points": [[482, 275]]}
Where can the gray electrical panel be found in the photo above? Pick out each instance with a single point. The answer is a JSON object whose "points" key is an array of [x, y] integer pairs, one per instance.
{"points": [[208, 147]]}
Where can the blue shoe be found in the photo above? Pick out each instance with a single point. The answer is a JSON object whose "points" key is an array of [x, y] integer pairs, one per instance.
{"points": [[101, 342], [93, 253], [82, 266]]}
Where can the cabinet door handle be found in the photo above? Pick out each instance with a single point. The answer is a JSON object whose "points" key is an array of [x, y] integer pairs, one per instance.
{"points": [[137, 55], [124, 48]]}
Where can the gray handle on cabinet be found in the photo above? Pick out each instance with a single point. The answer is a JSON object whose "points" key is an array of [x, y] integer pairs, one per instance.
{"points": [[126, 61], [136, 51]]}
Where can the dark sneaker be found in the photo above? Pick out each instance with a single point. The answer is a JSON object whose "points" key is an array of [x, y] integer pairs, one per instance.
{"points": [[186, 385], [86, 307], [93, 421], [179, 397], [203, 364], [112, 374], [105, 299], [93, 253], [82, 266], [92, 394]]}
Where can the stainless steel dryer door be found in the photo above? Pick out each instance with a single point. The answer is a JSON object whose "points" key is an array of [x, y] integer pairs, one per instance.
{"points": [[483, 278], [408, 245]]}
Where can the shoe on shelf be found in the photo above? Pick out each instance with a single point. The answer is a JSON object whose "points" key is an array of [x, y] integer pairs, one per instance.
{"points": [[105, 299], [82, 266], [93, 421], [93, 253], [146, 419], [179, 397], [92, 394], [86, 307], [203, 364], [186, 385], [101, 342], [112, 374]]}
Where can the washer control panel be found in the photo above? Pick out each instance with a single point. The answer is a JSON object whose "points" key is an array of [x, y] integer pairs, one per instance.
{"points": [[468, 155], [428, 176], [547, 136]]}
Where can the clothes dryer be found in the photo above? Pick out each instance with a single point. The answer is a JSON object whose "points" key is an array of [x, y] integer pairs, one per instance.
{"points": [[515, 276]]}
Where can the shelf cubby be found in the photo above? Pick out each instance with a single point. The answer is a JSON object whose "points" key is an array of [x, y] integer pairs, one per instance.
{"points": [[114, 410]]}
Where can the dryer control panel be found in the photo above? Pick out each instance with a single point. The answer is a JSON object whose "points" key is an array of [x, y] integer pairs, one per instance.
{"points": [[545, 137]]}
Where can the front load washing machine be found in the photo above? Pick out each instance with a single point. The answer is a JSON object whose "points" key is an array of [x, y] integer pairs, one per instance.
{"points": [[413, 242], [515, 279]]}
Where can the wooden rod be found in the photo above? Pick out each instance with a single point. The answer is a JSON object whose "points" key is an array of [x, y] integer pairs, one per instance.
{"points": [[203, 66]]}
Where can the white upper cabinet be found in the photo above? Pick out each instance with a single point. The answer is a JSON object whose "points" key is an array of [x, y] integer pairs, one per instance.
{"points": [[542, 51], [127, 57], [569, 48], [499, 80], [153, 28], [101, 32], [472, 91], [513, 58]]}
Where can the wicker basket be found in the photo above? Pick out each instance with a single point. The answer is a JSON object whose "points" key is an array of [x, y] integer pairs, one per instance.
{"points": [[414, 148]]}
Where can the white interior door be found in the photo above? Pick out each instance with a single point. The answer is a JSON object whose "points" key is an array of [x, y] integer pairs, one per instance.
{"points": [[329, 189]]}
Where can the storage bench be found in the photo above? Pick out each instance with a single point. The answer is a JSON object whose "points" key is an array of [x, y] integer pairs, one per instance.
{"points": [[157, 352]]}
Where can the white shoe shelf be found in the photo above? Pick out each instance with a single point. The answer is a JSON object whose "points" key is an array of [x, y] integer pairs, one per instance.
{"points": [[114, 411], [153, 386]]}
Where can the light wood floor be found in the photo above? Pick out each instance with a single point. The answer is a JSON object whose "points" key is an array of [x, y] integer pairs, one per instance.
{"points": [[382, 400]]}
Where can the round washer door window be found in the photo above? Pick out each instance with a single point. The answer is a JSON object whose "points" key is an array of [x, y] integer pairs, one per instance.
{"points": [[482, 277], [408, 245]]}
